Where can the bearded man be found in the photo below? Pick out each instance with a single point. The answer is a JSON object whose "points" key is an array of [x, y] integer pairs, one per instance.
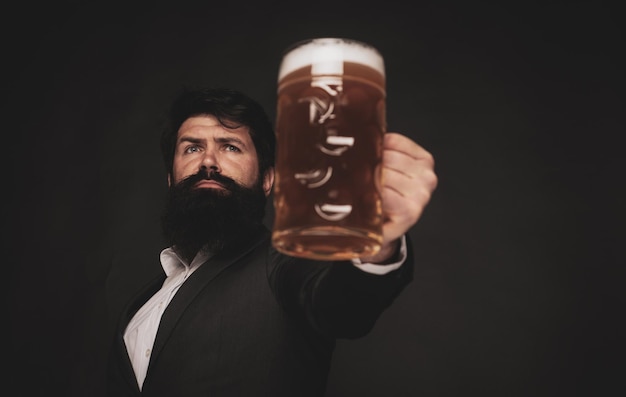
{"points": [[230, 315]]}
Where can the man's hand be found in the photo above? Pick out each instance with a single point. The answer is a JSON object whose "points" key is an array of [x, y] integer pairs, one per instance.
{"points": [[408, 181]]}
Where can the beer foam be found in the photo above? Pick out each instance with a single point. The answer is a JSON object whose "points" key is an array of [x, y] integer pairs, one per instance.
{"points": [[329, 55]]}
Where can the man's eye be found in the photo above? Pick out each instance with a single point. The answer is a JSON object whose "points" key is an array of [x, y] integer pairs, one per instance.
{"points": [[232, 148], [192, 149]]}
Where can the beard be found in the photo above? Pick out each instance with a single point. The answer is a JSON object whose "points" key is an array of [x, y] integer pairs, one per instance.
{"points": [[211, 219]]}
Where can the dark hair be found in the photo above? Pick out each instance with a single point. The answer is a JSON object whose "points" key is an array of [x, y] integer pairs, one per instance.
{"points": [[232, 108]]}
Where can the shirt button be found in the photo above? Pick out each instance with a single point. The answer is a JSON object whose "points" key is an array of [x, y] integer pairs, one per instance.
{"points": [[147, 352]]}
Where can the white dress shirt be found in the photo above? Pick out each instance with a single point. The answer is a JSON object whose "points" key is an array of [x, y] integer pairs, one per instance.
{"points": [[142, 328]]}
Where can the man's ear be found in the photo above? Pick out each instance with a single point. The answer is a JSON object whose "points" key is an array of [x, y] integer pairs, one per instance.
{"points": [[268, 181]]}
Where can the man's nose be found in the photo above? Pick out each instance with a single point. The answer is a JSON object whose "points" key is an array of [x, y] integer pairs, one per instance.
{"points": [[210, 162]]}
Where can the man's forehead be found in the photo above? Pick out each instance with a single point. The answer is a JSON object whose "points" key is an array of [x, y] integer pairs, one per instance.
{"points": [[210, 124]]}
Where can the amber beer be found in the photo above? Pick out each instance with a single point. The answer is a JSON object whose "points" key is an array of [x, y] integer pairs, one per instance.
{"points": [[330, 124]]}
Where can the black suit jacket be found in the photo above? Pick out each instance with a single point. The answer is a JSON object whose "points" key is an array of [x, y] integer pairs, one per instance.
{"points": [[254, 323]]}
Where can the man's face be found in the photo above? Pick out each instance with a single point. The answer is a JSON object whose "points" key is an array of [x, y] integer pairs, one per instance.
{"points": [[216, 196], [204, 143]]}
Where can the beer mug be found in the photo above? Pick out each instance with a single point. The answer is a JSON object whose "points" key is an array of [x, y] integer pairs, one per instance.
{"points": [[330, 124]]}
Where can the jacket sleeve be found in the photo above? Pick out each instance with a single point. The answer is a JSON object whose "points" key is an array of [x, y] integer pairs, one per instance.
{"points": [[336, 299]]}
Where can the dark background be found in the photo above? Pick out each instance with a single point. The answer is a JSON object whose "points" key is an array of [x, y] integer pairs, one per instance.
{"points": [[519, 286]]}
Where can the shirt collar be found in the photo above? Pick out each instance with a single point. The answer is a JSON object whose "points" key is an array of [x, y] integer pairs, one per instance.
{"points": [[171, 261]]}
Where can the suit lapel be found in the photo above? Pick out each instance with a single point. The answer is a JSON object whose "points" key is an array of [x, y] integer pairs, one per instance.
{"points": [[207, 272]]}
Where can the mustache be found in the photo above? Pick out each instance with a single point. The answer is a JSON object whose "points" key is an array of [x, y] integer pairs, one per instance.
{"points": [[190, 181]]}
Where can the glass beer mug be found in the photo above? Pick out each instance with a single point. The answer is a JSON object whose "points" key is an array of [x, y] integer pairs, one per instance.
{"points": [[330, 124]]}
